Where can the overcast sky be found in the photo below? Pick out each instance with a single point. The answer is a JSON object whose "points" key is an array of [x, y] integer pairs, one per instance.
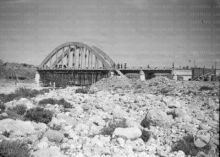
{"points": [[139, 32]]}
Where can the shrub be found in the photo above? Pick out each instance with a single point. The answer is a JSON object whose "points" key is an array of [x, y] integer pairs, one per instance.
{"points": [[14, 149], [145, 136], [47, 101], [25, 92], [6, 133], [146, 122], [55, 101], [22, 93], [2, 107], [19, 109], [205, 88], [39, 114], [30, 93], [112, 125], [64, 103], [7, 97], [82, 90], [12, 115], [187, 146], [165, 91], [174, 115]]}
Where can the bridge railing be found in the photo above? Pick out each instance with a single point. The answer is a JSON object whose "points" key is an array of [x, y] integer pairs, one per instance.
{"points": [[100, 68]]}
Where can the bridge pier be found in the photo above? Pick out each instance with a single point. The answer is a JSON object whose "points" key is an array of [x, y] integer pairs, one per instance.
{"points": [[142, 75]]}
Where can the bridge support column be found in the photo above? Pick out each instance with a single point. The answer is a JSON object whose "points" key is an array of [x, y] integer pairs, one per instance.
{"points": [[142, 75], [37, 79]]}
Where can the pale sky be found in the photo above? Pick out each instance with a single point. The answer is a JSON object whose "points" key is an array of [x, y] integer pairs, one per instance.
{"points": [[138, 32]]}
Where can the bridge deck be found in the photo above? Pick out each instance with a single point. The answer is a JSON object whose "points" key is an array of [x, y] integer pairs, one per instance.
{"points": [[63, 77]]}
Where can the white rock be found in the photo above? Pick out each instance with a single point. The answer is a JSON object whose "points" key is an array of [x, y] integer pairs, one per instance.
{"points": [[180, 154], [129, 133]]}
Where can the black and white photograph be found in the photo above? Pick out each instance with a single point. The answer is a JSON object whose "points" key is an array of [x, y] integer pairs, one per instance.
{"points": [[109, 78]]}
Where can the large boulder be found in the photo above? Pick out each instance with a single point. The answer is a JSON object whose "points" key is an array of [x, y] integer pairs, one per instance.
{"points": [[128, 133], [157, 117], [17, 127]]}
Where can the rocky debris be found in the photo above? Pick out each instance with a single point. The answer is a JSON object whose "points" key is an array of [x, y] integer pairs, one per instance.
{"points": [[157, 117], [112, 83]]}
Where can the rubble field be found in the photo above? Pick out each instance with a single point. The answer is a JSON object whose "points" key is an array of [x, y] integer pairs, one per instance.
{"points": [[116, 117]]}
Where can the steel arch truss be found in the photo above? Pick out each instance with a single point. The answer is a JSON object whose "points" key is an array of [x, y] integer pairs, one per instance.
{"points": [[76, 55]]}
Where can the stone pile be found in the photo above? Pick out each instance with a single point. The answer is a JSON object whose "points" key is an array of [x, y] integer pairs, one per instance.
{"points": [[121, 119]]}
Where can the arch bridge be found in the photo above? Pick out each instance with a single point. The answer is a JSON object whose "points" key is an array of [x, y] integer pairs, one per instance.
{"points": [[75, 63], [76, 55]]}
